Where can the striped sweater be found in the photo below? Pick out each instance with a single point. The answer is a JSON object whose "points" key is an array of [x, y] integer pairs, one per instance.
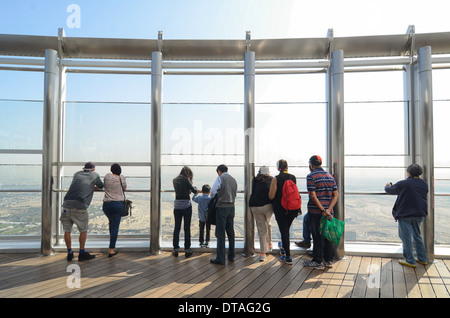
{"points": [[323, 184]]}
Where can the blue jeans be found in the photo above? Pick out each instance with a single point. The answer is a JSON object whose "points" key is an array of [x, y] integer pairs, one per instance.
{"points": [[306, 230], [225, 224], [179, 215], [409, 232], [113, 211], [323, 250]]}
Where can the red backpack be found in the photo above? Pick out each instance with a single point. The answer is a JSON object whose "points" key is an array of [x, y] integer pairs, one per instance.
{"points": [[290, 197]]}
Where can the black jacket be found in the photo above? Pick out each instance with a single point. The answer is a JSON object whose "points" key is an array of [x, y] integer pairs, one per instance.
{"points": [[183, 188]]}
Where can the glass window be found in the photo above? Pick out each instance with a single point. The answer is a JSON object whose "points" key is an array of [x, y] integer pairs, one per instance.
{"points": [[375, 153], [107, 132], [21, 107]]}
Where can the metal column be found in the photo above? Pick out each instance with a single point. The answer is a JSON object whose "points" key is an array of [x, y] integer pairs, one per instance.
{"points": [[336, 136], [155, 184], [425, 141], [51, 82], [249, 168]]}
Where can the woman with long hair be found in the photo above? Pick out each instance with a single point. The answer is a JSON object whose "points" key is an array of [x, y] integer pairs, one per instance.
{"points": [[182, 209], [115, 185]]}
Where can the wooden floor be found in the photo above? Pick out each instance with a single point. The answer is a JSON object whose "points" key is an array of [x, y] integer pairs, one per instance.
{"points": [[136, 274]]}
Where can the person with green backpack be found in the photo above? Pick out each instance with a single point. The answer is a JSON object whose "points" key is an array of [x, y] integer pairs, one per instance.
{"points": [[323, 195]]}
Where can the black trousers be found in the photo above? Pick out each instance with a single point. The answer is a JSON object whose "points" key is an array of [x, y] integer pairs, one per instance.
{"points": [[180, 215], [284, 221]]}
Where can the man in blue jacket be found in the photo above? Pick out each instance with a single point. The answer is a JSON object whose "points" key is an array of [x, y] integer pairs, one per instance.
{"points": [[410, 209]]}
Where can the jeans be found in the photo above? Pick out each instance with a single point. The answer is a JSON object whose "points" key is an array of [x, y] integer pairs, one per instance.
{"points": [[306, 230], [284, 222], [225, 224], [409, 232], [179, 215], [113, 211], [204, 237], [323, 250]]}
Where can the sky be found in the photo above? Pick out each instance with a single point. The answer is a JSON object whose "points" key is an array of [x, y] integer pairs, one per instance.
{"points": [[200, 19], [219, 19]]}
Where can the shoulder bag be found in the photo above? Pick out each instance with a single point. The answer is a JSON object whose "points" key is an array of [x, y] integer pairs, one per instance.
{"points": [[127, 207]]}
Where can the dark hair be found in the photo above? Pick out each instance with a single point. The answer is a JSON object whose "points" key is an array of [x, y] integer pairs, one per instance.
{"points": [[315, 160], [414, 170], [116, 169], [206, 188], [282, 165], [222, 168], [187, 172]]}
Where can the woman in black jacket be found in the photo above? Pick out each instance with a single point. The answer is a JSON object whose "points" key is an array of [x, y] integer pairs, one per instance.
{"points": [[182, 209], [262, 209]]}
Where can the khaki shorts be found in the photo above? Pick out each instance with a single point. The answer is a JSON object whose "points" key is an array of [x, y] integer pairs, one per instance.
{"points": [[69, 216]]}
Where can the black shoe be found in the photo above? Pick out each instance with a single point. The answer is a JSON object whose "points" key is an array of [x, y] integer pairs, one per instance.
{"points": [[175, 252], [188, 252], [70, 256], [214, 261], [112, 254], [85, 256], [303, 244]]}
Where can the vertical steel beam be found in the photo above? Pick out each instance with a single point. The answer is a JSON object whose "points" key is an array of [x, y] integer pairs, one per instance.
{"points": [[249, 168], [51, 82], [155, 184], [426, 149], [336, 136]]}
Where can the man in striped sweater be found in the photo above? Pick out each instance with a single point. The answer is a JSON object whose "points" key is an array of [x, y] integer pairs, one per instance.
{"points": [[323, 195]]}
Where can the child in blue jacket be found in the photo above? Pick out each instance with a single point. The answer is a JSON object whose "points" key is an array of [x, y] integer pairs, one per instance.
{"points": [[203, 201]]}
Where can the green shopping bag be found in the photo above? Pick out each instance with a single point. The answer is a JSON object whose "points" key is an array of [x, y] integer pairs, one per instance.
{"points": [[331, 230]]}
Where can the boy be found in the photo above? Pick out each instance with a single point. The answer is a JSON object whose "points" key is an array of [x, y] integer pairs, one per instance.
{"points": [[203, 202]]}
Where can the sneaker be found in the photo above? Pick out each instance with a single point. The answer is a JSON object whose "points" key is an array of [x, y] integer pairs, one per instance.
{"points": [[420, 262], [280, 246], [328, 264], [175, 252], [188, 252], [270, 247], [405, 263], [314, 265], [70, 256], [303, 244], [206, 244], [85, 256], [288, 260], [262, 257]]}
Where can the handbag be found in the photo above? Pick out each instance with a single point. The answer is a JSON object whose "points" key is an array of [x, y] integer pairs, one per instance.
{"points": [[127, 207], [331, 230], [211, 212]]}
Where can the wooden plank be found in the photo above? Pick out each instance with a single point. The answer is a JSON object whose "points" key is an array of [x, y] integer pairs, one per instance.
{"points": [[139, 275], [225, 277], [279, 282], [360, 287], [444, 274], [373, 281], [399, 280], [346, 289], [412, 286], [424, 282], [337, 278], [387, 277]]}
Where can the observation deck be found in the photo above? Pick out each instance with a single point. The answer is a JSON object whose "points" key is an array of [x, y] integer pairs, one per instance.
{"points": [[144, 267]]}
